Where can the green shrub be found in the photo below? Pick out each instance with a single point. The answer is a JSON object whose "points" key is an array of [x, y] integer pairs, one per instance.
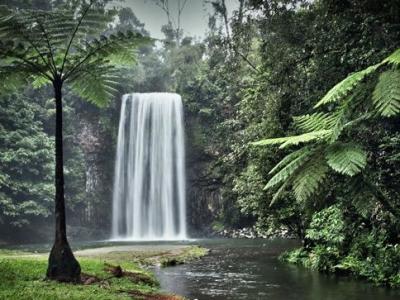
{"points": [[341, 247]]}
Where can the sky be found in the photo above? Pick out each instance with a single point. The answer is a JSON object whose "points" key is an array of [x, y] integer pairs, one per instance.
{"points": [[194, 18]]}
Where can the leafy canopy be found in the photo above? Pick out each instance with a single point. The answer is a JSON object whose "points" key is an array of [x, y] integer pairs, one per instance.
{"points": [[323, 148], [65, 45]]}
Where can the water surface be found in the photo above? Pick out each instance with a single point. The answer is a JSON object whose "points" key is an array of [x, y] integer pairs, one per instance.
{"points": [[249, 269]]}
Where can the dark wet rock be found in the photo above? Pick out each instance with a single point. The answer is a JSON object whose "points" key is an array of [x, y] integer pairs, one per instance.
{"points": [[253, 233]]}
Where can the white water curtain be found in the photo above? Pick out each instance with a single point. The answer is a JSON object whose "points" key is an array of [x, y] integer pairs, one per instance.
{"points": [[149, 183]]}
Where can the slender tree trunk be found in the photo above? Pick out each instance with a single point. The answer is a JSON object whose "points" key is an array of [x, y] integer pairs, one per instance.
{"points": [[62, 264]]}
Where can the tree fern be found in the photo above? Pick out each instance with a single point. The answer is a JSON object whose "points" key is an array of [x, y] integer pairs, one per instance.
{"points": [[348, 159], [288, 170], [304, 169], [315, 122], [386, 96], [346, 86], [310, 178], [61, 44], [289, 158], [393, 59], [279, 193], [296, 139], [64, 47]]}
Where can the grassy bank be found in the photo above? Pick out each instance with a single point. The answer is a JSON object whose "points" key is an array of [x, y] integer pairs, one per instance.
{"points": [[22, 275]]}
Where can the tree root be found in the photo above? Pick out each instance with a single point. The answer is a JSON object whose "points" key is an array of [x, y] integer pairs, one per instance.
{"points": [[133, 276], [87, 279]]}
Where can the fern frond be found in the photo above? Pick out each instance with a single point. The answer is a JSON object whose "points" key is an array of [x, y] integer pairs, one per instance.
{"points": [[45, 46], [287, 159], [16, 74], [361, 197], [116, 50], [288, 170], [97, 84], [310, 178], [315, 121], [346, 86], [348, 159], [22, 28], [386, 96], [278, 194], [394, 58], [296, 139], [342, 116]]}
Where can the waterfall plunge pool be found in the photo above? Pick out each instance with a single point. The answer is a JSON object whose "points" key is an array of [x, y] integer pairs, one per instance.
{"points": [[249, 269], [238, 269]]}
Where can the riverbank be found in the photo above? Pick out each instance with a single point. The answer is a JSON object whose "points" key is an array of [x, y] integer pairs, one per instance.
{"points": [[22, 273], [243, 269]]}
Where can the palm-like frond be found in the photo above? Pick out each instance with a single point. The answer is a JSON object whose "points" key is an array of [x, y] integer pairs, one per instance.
{"points": [[54, 32], [348, 159], [46, 46], [279, 193], [346, 86], [394, 58], [315, 122], [287, 159], [116, 50], [305, 169], [289, 169], [386, 96], [296, 139], [96, 83], [310, 178]]}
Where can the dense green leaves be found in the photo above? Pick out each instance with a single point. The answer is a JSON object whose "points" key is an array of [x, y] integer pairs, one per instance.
{"points": [[26, 163], [288, 168], [295, 140], [326, 128], [309, 179], [343, 193], [315, 122], [346, 87], [348, 159], [386, 95], [45, 46], [328, 226], [394, 58]]}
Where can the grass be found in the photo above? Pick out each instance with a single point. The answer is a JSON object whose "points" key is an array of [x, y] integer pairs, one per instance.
{"points": [[22, 276], [187, 255], [149, 257]]}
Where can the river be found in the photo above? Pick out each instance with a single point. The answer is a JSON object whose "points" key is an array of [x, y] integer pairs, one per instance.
{"points": [[238, 269], [250, 269]]}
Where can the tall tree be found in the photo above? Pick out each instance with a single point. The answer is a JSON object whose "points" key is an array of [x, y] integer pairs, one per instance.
{"points": [[174, 25], [65, 46]]}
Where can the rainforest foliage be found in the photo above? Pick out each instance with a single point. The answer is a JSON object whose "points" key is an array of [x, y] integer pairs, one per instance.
{"points": [[292, 113], [326, 91]]}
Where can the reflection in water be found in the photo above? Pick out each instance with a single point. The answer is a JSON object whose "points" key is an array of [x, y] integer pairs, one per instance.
{"points": [[249, 269]]}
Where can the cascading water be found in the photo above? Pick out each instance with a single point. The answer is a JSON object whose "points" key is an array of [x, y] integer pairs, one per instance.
{"points": [[149, 183]]}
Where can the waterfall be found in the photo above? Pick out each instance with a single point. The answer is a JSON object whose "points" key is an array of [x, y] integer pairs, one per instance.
{"points": [[149, 182]]}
